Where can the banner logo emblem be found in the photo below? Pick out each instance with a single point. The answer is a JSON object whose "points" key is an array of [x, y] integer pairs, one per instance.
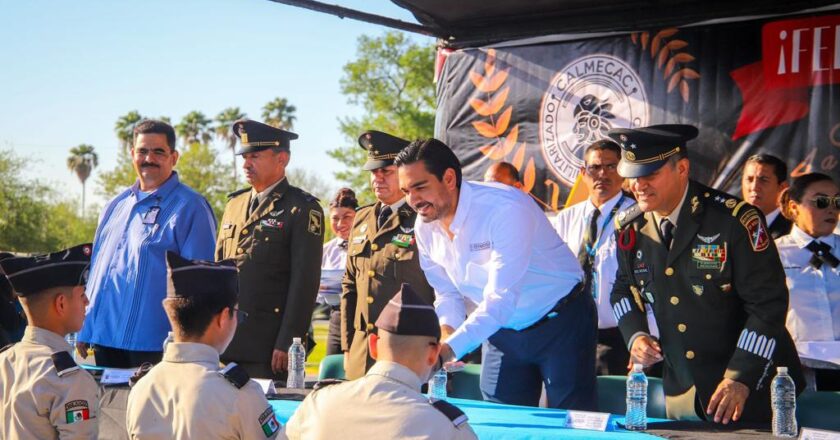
{"points": [[584, 100]]}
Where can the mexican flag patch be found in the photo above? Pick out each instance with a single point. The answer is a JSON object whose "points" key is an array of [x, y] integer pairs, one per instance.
{"points": [[77, 411], [269, 422]]}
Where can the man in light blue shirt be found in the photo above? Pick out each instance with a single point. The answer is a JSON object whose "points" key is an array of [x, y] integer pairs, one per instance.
{"points": [[125, 322]]}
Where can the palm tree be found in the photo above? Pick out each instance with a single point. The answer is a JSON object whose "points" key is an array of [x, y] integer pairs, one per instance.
{"points": [[225, 120], [125, 128], [194, 128], [82, 161], [278, 113]]}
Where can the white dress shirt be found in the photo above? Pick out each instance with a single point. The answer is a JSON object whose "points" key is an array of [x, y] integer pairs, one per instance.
{"points": [[335, 256], [333, 265], [772, 216], [571, 224], [814, 310], [504, 256]]}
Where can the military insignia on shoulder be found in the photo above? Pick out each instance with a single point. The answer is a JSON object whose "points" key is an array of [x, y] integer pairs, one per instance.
{"points": [[237, 192], [64, 363], [235, 375], [627, 215], [77, 411], [316, 225], [756, 231], [321, 384], [452, 412], [268, 422]]}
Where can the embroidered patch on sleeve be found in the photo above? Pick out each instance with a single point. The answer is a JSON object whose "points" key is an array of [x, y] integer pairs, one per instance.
{"points": [[756, 232], [315, 224], [268, 422], [77, 411]]}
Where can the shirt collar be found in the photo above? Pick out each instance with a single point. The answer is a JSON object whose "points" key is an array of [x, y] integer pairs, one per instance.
{"points": [[160, 192], [264, 193], [675, 214], [770, 218], [802, 239], [606, 207], [397, 372], [42, 336], [394, 207], [192, 352], [463, 208]]}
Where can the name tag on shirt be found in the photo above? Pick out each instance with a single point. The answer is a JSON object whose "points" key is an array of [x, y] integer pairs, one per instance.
{"points": [[150, 216], [475, 247]]}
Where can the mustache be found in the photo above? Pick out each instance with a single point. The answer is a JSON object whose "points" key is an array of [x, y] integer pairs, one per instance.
{"points": [[149, 165]]}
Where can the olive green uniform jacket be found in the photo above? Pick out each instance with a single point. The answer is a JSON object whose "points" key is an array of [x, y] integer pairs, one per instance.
{"points": [[278, 251], [378, 262]]}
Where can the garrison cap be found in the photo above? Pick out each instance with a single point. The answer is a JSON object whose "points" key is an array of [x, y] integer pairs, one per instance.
{"points": [[409, 315], [644, 150], [382, 148], [186, 278], [255, 136], [31, 275]]}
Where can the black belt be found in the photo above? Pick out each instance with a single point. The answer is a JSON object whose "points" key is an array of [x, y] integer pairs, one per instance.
{"points": [[573, 294]]}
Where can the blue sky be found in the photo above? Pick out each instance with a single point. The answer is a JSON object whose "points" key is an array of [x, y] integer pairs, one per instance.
{"points": [[70, 69]]}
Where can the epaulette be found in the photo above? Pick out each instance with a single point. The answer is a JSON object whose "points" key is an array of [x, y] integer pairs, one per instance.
{"points": [[724, 201], [235, 375], [7, 347], [627, 215], [452, 412], [321, 384], [237, 192], [64, 363], [309, 197]]}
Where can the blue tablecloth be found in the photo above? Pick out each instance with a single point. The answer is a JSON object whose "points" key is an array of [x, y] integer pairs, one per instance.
{"points": [[506, 422]]}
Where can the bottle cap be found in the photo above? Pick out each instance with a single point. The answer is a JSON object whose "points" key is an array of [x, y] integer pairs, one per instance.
{"points": [[295, 340], [781, 370], [638, 367]]}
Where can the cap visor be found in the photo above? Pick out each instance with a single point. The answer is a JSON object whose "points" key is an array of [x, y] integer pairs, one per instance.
{"points": [[630, 170], [371, 165]]}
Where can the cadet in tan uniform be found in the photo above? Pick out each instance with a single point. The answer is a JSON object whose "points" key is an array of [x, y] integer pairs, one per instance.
{"points": [[275, 233], [381, 254], [188, 395], [386, 402], [43, 393]]}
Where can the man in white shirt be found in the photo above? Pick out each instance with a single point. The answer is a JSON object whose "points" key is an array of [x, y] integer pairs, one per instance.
{"points": [[490, 244], [763, 179], [588, 228]]}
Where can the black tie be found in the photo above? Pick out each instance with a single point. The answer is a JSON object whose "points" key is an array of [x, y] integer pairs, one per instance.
{"points": [[342, 244], [667, 230], [589, 236], [383, 216], [255, 202], [821, 255]]}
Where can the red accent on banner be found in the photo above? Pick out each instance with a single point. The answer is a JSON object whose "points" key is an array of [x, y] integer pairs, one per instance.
{"points": [[801, 52], [440, 60], [765, 107]]}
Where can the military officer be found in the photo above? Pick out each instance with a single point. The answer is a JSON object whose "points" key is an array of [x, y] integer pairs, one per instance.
{"points": [[381, 254], [187, 395], [387, 401], [43, 393], [275, 232], [706, 264]]}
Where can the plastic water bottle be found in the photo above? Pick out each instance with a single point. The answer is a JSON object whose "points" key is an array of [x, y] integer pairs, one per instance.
{"points": [[783, 400], [169, 338], [437, 385], [297, 371], [71, 339], [637, 383]]}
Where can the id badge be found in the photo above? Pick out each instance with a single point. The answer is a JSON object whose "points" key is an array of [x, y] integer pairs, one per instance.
{"points": [[150, 216]]}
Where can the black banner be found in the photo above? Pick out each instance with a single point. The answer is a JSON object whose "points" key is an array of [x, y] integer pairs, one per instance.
{"points": [[755, 86]]}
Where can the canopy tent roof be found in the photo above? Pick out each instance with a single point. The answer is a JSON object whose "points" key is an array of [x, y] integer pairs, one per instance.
{"points": [[466, 23]]}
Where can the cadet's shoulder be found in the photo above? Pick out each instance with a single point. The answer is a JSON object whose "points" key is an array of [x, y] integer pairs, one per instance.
{"points": [[66, 367], [235, 375], [452, 412], [238, 192]]}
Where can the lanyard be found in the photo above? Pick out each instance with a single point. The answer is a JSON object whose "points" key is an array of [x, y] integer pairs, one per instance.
{"points": [[592, 250]]}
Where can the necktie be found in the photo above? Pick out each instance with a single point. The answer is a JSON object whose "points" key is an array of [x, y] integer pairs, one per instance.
{"points": [[585, 252], [255, 202], [383, 216], [667, 230], [821, 255], [342, 244]]}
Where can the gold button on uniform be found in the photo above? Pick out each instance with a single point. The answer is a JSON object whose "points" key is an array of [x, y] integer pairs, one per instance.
{"points": [[276, 310], [370, 327], [370, 300], [708, 276], [374, 247], [681, 328], [689, 354], [371, 273], [675, 300], [669, 271], [239, 250], [244, 232]]}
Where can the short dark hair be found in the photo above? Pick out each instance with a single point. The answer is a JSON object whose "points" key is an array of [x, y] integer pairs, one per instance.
{"points": [[602, 145], [192, 315], [510, 169], [154, 126], [779, 166], [796, 190], [345, 198], [435, 155]]}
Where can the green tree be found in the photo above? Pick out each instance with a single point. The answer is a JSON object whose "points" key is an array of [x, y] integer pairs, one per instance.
{"points": [[194, 128], [82, 161], [199, 168], [311, 183], [279, 113], [224, 121], [124, 128], [392, 78]]}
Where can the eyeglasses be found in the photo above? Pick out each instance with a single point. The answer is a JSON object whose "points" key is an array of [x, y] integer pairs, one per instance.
{"points": [[593, 170], [157, 152], [241, 316], [823, 202]]}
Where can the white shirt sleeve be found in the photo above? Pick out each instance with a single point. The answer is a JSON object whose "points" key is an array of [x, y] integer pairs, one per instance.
{"points": [[449, 303]]}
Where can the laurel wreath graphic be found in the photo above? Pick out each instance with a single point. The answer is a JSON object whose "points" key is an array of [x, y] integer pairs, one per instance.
{"points": [[502, 142], [669, 58]]}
